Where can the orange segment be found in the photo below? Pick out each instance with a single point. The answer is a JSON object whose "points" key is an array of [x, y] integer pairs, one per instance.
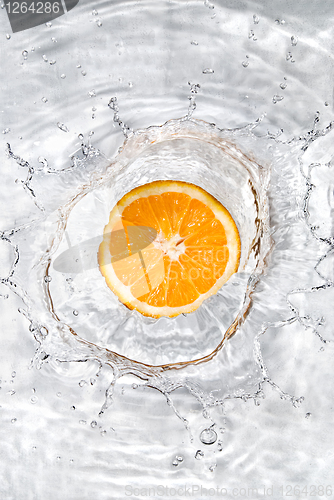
{"points": [[180, 245]]}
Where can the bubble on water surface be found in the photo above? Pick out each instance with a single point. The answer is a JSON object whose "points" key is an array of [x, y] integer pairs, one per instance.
{"points": [[208, 436]]}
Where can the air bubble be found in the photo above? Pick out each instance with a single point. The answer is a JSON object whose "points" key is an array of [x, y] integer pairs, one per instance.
{"points": [[208, 436], [62, 127], [277, 98], [294, 40], [25, 54], [208, 71], [199, 454]]}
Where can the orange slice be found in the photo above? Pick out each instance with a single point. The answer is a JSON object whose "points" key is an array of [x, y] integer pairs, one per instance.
{"points": [[179, 246]]}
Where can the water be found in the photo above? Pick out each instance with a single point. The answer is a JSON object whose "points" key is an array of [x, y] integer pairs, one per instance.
{"points": [[115, 402]]}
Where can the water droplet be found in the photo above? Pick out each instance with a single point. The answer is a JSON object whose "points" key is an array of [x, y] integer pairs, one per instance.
{"points": [[256, 19], [44, 99], [326, 103], [48, 24], [63, 76], [8, 36], [53, 40], [245, 63], [288, 56], [62, 127], [220, 446], [25, 54], [279, 21], [47, 279], [212, 467], [91, 93], [75, 312], [103, 433], [73, 407], [283, 86], [93, 423], [34, 448], [130, 84], [13, 374], [52, 62], [71, 461], [294, 40], [59, 457], [78, 66], [175, 463], [14, 420], [84, 73], [208, 71], [45, 58], [134, 386], [82, 422], [32, 49], [82, 383], [251, 34], [277, 98], [193, 42], [199, 454], [6, 130], [179, 459], [11, 393], [99, 23], [33, 399], [308, 415], [95, 13], [58, 394], [92, 381], [208, 436]]}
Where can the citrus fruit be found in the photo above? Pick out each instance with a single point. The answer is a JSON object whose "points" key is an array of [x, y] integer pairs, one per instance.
{"points": [[167, 247]]}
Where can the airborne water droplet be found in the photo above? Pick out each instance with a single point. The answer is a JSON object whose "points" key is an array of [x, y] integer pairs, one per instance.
{"points": [[294, 40], [75, 312], [25, 54], [48, 24], [94, 12], [256, 19], [277, 98], [8, 36], [44, 99], [33, 399], [62, 127], [63, 76], [53, 62], [6, 130], [208, 436], [93, 424], [13, 374], [84, 73], [199, 454], [193, 42], [208, 71], [53, 40], [99, 23], [91, 93], [45, 58]]}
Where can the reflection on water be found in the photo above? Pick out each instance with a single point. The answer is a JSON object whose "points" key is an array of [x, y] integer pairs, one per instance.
{"points": [[64, 133]]}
